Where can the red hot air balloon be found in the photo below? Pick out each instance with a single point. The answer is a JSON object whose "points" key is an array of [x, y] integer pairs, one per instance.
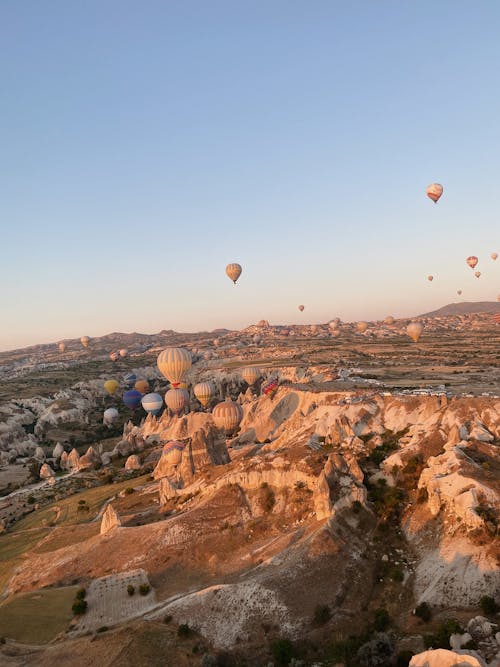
{"points": [[472, 261]]}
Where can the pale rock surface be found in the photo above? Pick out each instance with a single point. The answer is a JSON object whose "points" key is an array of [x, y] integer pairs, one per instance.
{"points": [[39, 454], [110, 520], [64, 461], [442, 658], [133, 463], [46, 472], [57, 451], [480, 628], [73, 459]]}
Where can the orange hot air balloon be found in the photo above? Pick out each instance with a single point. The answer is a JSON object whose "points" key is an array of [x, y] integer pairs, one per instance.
{"points": [[434, 191], [114, 356], [472, 261], [123, 352], [62, 347], [477, 274], [85, 340], [430, 278], [414, 330], [233, 271], [494, 256], [142, 386], [389, 320], [301, 308], [361, 326]]}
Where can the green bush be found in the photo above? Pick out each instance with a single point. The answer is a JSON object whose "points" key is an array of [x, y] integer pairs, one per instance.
{"points": [[130, 589], [167, 619], [31, 500], [79, 607], [144, 589], [381, 620], [403, 658], [488, 605], [184, 630], [423, 611], [441, 638], [103, 628], [283, 651], [129, 490], [322, 614], [81, 594]]}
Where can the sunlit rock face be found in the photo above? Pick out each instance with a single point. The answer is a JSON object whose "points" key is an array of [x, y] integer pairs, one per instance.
{"points": [[443, 658], [110, 520]]}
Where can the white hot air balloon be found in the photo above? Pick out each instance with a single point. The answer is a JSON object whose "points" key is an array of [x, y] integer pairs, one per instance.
{"points": [[152, 403], [123, 352], [110, 415], [434, 191], [174, 363], [250, 375], [228, 415], [494, 256], [361, 326], [414, 330], [175, 400], [203, 391], [233, 271]]}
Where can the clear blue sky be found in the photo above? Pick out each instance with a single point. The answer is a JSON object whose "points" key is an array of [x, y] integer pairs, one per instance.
{"points": [[145, 144]]}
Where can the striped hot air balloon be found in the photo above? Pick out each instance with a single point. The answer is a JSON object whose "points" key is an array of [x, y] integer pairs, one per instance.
{"points": [[114, 356], [176, 400], [130, 379], [152, 403], [250, 375], [361, 326], [228, 415], [233, 271], [434, 191], [174, 363], [172, 451], [270, 387], [472, 261], [203, 392], [496, 318], [414, 330]]}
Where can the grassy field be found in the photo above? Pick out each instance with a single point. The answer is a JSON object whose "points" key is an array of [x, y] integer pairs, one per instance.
{"points": [[11, 549], [36, 618], [67, 510]]}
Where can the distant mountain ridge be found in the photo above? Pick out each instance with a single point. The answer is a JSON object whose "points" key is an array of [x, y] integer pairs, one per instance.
{"points": [[465, 308]]}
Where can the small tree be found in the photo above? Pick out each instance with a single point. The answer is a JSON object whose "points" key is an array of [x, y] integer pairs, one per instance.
{"points": [[423, 611], [144, 589], [184, 630], [488, 605], [79, 607], [130, 589], [283, 651]]}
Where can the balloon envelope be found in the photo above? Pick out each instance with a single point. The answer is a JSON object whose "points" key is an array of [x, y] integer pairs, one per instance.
{"points": [[472, 261], [130, 379], [85, 340], [175, 400], [203, 391], [142, 386], [250, 375], [228, 415], [233, 271], [132, 398], [434, 191], [62, 347], [459, 292], [270, 387], [301, 307], [110, 415], [123, 352], [477, 274], [389, 320], [172, 451], [114, 356], [152, 403], [494, 256], [414, 330], [361, 326], [111, 386], [174, 363], [430, 278]]}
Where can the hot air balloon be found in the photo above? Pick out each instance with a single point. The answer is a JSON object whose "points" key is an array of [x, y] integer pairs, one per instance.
{"points": [[335, 333], [111, 386], [62, 347], [333, 325], [389, 320], [250, 375], [175, 400], [361, 326], [270, 387], [152, 403], [314, 329], [132, 398], [142, 386], [494, 256], [496, 318], [85, 340], [172, 451], [123, 352], [110, 415], [228, 415], [301, 308], [472, 261], [130, 379], [434, 191], [203, 391], [174, 363], [459, 292], [257, 339], [430, 278], [233, 271], [498, 297], [414, 330], [477, 274], [114, 356]]}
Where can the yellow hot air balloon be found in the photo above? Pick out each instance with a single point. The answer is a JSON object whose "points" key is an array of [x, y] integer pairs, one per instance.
{"points": [[62, 347], [477, 274], [494, 256], [250, 375], [228, 415], [414, 330], [111, 386], [175, 400], [430, 278], [361, 326], [174, 363], [389, 320], [203, 392], [233, 271], [85, 340], [142, 386], [472, 261], [434, 191]]}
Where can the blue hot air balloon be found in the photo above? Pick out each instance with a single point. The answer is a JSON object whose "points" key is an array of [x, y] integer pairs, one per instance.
{"points": [[152, 403], [132, 398], [130, 379]]}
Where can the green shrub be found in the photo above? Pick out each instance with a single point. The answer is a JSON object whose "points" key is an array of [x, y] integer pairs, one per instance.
{"points": [[322, 614], [79, 607], [381, 620], [129, 490], [130, 589], [103, 628], [167, 619], [396, 574], [488, 605], [144, 589], [184, 630], [423, 611], [31, 500], [441, 638], [81, 594], [403, 658], [283, 651]]}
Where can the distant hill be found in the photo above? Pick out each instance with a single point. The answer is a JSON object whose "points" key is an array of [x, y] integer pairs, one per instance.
{"points": [[465, 308]]}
